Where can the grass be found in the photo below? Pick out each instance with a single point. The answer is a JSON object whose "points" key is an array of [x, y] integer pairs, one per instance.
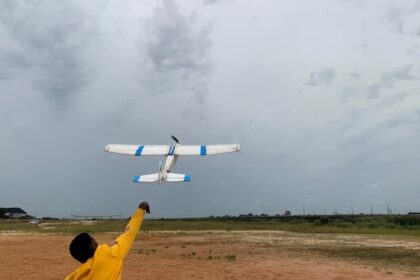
{"points": [[387, 225], [401, 259], [230, 258], [398, 225]]}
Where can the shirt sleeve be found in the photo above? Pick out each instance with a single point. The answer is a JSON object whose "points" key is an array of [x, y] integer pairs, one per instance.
{"points": [[124, 242]]}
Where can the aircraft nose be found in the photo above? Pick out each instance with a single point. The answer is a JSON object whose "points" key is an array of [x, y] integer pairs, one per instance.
{"points": [[106, 148]]}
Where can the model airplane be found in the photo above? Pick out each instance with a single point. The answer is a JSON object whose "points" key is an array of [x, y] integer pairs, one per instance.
{"points": [[171, 152]]}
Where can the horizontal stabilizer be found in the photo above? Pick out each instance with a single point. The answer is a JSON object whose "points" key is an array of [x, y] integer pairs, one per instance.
{"points": [[170, 177], [150, 178], [174, 177]]}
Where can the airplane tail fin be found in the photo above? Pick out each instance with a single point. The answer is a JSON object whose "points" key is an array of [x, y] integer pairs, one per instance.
{"points": [[150, 178], [174, 177]]}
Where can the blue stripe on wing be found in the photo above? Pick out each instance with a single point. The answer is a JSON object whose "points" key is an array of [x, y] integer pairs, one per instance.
{"points": [[139, 150], [203, 150]]}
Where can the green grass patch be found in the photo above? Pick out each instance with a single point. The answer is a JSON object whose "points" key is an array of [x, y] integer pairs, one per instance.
{"points": [[388, 225]]}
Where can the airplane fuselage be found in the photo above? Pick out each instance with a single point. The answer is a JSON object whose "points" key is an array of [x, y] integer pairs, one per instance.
{"points": [[170, 160]]}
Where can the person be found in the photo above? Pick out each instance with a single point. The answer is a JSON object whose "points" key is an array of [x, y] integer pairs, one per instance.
{"points": [[101, 261]]}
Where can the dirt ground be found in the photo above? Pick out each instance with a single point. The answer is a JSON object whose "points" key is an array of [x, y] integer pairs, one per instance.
{"points": [[203, 255]]}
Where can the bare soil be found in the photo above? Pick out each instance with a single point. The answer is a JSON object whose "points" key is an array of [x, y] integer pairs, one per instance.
{"points": [[204, 255]]}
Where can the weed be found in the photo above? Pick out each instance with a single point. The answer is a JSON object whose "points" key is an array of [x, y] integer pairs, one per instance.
{"points": [[230, 258]]}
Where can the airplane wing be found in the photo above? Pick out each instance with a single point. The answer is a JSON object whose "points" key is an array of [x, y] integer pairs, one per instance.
{"points": [[138, 150], [164, 150], [203, 150]]}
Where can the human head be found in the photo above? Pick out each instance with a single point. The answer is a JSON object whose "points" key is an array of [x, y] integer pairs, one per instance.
{"points": [[82, 247]]}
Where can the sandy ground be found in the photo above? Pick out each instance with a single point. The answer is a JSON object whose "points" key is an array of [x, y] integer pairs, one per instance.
{"points": [[210, 255]]}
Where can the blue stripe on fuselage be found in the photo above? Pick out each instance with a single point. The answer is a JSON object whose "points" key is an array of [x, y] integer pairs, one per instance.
{"points": [[139, 150], [203, 150], [136, 178], [171, 150]]}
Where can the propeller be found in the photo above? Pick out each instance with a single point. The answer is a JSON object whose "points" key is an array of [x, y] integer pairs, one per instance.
{"points": [[176, 140]]}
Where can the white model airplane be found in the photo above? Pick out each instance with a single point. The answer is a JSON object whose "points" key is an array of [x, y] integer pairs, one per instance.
{"points": [[172, 152]]}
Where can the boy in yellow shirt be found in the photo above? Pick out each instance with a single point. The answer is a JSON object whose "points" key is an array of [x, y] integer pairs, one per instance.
{"points": [[101, 261]]}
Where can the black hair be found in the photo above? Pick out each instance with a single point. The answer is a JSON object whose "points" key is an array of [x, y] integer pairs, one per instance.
{"points": [[81, 247]]}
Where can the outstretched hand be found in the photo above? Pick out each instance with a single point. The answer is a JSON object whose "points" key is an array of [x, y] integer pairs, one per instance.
{"points": [[145, 206]]}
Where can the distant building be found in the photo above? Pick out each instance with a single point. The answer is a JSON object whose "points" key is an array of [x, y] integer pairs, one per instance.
{"points": [[287, 213]]}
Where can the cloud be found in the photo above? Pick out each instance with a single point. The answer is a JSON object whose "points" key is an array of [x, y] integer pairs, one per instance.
{"points": [[404, 19], [209, 2], [388, 79], [355, 75], [322, 78], [177, 52], [411, 118], [46, 40]]}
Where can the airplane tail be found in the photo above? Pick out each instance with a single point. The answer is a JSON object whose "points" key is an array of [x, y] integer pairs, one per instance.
{"points": [[174, 177], [153, 178]]}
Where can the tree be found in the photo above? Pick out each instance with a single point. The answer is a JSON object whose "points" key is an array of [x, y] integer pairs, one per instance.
{"points": [[2, 212]]}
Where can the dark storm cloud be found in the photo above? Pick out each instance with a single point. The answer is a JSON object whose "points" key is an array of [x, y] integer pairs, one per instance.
{"points": [[321, 78], [46, 39], [177, 48]]}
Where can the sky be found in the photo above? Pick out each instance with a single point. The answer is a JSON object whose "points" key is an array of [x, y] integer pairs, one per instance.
{"points": [[323, 97]]}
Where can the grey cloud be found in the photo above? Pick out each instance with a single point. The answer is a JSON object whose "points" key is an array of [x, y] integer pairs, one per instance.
{"points": [[209, 2], [414, 52], [405, 118], [322, 78], [403, 16], [389, 78], [46, 39], [355, 75], [177, 50], [394, 15]]}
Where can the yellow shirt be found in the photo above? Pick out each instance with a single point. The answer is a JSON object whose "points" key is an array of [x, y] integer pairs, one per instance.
{"points": [[107, 262]]}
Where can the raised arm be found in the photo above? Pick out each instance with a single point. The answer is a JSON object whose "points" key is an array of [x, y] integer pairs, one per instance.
{"points": [[124, 242]]}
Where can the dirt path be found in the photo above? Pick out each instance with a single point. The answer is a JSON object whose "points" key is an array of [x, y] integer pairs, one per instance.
{"points": [[184, 256]]}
